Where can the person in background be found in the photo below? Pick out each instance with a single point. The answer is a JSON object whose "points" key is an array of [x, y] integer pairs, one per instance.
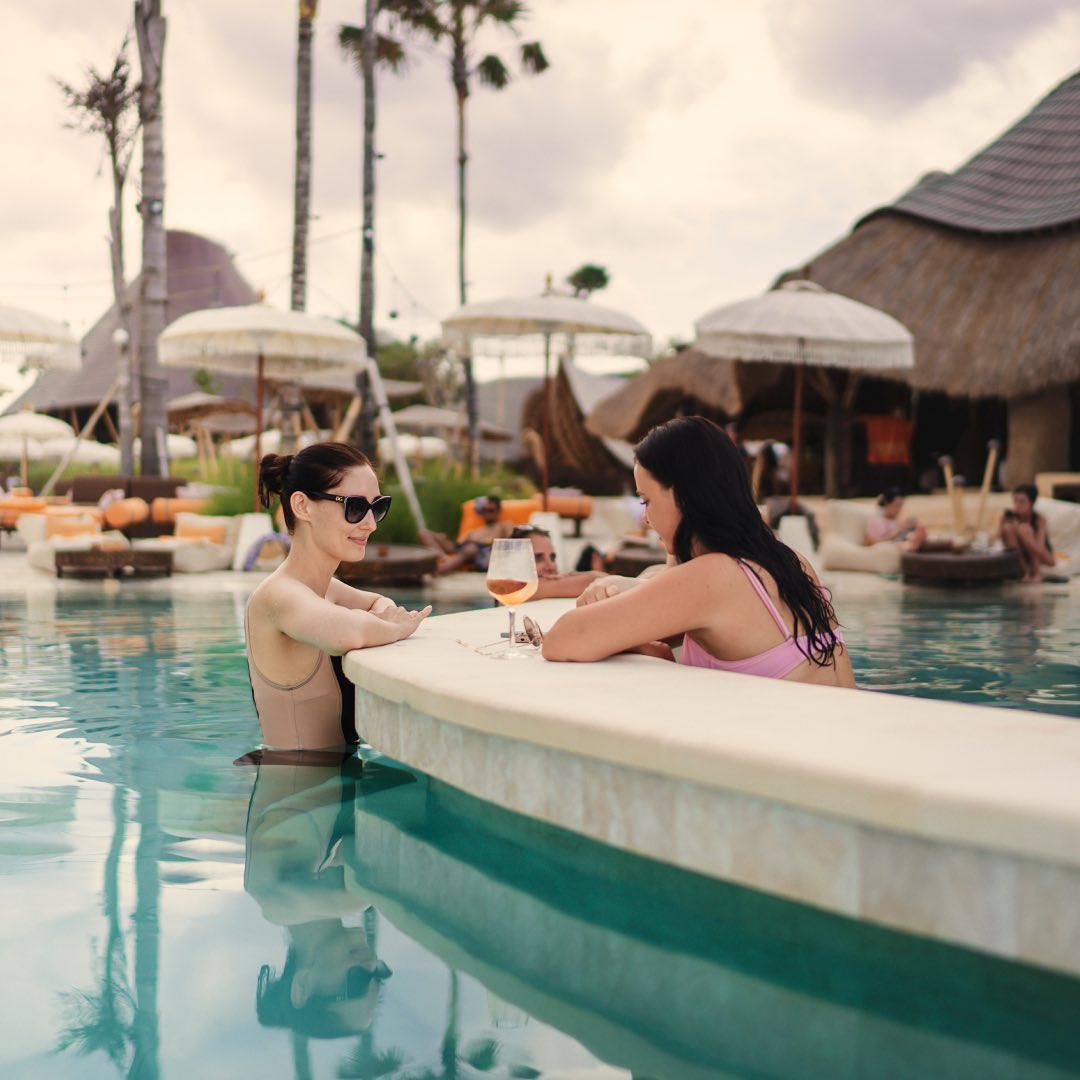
{"points": [[550, 582], [737, 598], [301, 619], [1023, 530], [889, 528], [473, 551]]}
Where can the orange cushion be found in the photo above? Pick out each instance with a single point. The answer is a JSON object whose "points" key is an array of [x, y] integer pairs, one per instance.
{"points": [[67, 525], [164, 511], [571, 506], [197, 530], [124, 512]]}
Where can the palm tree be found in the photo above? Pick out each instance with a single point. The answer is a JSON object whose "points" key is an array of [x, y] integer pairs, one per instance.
{"points": [[460, 22], [150, 33], [368, 49], [302, 177], [291, 398], [106, 106]]}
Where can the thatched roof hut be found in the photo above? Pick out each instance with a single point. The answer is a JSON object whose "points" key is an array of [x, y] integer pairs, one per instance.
{"points": [[657, 394], [577, 457], [200, 274], [982, 266]]}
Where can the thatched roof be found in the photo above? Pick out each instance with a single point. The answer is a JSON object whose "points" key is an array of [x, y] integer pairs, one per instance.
{"points": [[200, 274], [654, 395], [577, 458], [981, 266], [1028, 179]]}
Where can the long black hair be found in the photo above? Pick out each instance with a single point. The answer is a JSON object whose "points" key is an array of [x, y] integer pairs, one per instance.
{"points": [[318, 467], [702, 467]]}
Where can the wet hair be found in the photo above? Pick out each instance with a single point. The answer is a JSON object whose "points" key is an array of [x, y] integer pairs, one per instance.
{"points": [[318, 467], [890, 494], [585, 559], [274, 1007], [703, 469], [523, 532]]}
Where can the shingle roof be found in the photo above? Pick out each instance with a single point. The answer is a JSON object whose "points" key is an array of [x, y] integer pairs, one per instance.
{"points": [[1026, 180]]}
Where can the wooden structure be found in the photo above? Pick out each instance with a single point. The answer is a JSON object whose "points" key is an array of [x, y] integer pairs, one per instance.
{"points": [[981, 265]]}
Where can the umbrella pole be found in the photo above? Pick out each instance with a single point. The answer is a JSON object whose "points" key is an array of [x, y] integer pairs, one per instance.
{"points": [[25, 459], [544, 467], [258, 429], [796, 440]]}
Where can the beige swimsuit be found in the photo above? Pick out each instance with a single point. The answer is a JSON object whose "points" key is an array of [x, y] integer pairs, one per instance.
{"points": [[319, 711]]}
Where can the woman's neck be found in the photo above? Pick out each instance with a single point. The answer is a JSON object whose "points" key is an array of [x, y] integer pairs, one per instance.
{"points": [[309, 564]]}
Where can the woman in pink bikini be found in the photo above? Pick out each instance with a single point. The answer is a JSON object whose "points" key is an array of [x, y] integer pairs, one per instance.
{"points": [[739, 599]]}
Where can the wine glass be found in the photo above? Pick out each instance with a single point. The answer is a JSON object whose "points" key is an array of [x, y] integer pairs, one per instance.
{"points": [[511, 579]]}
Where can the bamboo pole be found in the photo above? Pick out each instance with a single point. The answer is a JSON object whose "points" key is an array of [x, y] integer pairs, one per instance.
{"points": [[102, 405], [993, 448], [955, 495]]}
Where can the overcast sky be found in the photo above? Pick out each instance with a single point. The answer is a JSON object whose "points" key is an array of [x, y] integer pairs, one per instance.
{"points": [[695, 148]]}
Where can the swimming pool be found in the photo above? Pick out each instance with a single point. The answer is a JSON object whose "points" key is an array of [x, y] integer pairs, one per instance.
{"points": [[170, 913]]}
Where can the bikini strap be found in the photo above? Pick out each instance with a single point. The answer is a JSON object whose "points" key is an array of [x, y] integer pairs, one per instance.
{"points": [[766, 599]]}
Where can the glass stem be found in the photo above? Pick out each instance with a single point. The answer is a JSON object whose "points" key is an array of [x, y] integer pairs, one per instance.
{"points": [[510, 639]]}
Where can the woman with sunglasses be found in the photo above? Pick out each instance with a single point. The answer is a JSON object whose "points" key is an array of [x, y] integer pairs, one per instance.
{"points": [[301, 620], [736, 597]]}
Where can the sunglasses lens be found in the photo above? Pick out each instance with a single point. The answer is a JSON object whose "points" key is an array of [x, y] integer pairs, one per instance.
{"points": [[357, 508]]}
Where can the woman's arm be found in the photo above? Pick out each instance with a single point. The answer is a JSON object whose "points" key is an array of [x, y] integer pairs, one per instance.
{"points": [[298, 613], [683, 598], [356, 599]]}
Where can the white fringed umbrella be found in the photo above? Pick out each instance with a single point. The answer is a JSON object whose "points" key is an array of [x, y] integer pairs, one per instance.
{"points": [[544, 315], [276, 344], [36, 341], [803, 324], [33, 428]]}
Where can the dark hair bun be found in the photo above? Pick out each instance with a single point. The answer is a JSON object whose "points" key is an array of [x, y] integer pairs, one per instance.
{"points": [[272, 470]]}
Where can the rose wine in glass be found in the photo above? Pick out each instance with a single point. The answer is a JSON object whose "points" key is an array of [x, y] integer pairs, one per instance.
{"points": [[511, 579]]}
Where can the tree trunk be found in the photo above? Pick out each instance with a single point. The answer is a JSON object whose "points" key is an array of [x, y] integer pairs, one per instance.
{"points": [[459, 74], [302, 176], [291, 394], [365, 433], [150, 30], [123, 322]]}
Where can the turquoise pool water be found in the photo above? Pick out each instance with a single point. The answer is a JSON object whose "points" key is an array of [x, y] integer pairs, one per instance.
{"points": [[169, 914]]}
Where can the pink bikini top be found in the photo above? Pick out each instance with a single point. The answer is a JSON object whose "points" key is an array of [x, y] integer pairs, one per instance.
{"points": [[775, 663]]}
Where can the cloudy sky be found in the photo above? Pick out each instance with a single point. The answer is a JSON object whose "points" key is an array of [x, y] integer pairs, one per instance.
{"points": [[695, 148]]}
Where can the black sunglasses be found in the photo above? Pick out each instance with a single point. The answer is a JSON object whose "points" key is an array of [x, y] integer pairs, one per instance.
{"points": [[357, 507], [357, 981]]}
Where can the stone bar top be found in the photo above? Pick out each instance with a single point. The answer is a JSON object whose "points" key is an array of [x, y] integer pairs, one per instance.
{"points": [[955, 821]]}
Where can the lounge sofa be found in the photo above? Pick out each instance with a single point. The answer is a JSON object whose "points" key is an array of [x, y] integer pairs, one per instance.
{"points": [[845, 520], [47, 534], [199, 542]]}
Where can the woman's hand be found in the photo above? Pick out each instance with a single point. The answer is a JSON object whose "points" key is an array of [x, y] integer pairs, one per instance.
{"points": [[403, 620], [603, 588], [660, 649]]}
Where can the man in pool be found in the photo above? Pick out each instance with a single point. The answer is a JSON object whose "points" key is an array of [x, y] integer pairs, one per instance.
{"points": [[550, 582]]}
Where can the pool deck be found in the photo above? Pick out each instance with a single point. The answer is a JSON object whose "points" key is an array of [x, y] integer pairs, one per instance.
{"points": [[957, 822]]}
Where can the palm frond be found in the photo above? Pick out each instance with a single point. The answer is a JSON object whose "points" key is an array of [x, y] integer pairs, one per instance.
{"points": [[389, 52], [483, 1054], [533, 59], [504, 11], [415, 15], [492, 72]]}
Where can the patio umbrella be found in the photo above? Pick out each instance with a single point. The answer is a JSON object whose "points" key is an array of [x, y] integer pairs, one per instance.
{"points": [[79, 452], [32, 427], [544, 315], [277, 344], [432, 418], [36, 341], [803, 324]]}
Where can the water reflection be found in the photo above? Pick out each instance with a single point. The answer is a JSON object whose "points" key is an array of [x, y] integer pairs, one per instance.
{"points": [[655, 971]]}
